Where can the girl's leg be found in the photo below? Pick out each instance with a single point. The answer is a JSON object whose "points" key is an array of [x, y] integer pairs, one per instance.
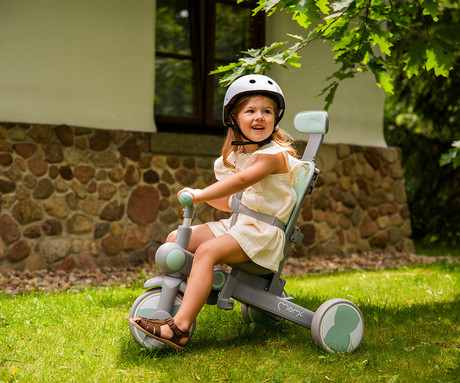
{"points": [[222, 249], [200, 234]]}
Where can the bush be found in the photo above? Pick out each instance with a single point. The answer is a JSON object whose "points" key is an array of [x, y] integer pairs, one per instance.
{"points": [[433, 191]]}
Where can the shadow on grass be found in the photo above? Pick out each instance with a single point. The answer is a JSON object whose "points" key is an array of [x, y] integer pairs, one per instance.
{"points": [[398, 331], [402, 338], [216, 331]]}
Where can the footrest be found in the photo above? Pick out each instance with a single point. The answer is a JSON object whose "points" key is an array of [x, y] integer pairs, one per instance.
{"points": [[225, 304]]}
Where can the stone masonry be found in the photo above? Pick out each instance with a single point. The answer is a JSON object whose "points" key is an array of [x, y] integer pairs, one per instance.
{"points": [[82, 198]]}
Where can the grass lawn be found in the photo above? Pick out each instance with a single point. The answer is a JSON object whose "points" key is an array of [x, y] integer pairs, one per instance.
{"points": [[411, 335]]}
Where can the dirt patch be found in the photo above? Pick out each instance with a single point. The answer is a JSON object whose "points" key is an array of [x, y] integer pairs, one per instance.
{"points": [[16, 282]]}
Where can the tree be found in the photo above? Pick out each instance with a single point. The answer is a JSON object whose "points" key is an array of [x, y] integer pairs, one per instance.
{"points": [[363, 34]]}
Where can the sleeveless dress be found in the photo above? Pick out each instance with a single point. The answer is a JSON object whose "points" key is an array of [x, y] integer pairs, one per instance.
{"points": [[263, 243]]}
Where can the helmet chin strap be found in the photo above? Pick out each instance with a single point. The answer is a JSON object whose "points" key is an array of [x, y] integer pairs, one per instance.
{"points": [[237, 129]]}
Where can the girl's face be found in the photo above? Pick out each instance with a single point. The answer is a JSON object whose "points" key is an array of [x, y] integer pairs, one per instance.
{"points": [[256, 118]]}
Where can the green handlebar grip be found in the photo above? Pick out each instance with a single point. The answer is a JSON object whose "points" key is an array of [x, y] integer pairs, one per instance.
{"points": [[186, 198]]}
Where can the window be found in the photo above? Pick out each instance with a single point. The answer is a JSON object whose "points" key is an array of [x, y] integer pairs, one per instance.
{"points": [[193, 37]]}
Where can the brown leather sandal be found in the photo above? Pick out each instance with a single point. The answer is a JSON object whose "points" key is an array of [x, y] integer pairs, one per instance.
{"points": [[152, 328]]}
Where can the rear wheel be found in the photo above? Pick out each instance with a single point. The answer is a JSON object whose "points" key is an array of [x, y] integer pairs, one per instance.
{"points": [[146, 305], [252, 315]]}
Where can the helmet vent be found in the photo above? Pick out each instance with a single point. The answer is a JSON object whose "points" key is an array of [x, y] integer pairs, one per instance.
{"points": [[270, 82], [252, 81]]}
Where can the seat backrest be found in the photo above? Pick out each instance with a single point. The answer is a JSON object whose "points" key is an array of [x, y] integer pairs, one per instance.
{"points": [[315, 123], [304, 177]]}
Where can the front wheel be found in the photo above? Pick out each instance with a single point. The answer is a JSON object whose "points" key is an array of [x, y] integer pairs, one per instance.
{"points": [[146, 305], [338, 326]]}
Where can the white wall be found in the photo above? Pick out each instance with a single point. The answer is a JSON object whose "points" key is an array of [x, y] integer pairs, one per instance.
{"points": [[356, 115], [78, 62]]}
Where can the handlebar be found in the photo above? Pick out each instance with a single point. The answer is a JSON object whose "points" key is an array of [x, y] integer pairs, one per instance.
{"points": [[186, 199]]}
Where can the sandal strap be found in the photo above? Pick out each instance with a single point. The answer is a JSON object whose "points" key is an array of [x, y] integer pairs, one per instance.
{"points": [[178, 334], [146, 323], [176, 330]]}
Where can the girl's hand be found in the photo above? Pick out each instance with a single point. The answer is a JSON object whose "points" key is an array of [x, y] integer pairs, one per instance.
{"points": [[194, 192]]}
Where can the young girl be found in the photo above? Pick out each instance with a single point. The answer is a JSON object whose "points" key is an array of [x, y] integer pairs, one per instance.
{"points": [[257, 159]]}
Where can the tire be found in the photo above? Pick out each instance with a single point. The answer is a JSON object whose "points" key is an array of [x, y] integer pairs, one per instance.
{"points": [[338, 326], [146, 306]]}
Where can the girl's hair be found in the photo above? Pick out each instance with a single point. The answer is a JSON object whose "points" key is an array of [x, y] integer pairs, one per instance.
{"points": [[280, 137]]}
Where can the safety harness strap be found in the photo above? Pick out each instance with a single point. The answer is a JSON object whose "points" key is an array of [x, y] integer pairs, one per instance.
{"points": [[238, 207]]}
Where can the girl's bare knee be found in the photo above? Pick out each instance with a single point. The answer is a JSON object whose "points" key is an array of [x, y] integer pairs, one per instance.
{"points": [[171, 236], [205, 253]]}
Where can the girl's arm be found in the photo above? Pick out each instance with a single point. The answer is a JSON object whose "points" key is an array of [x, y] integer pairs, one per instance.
{"points": [[220, 204], [264, 165]]}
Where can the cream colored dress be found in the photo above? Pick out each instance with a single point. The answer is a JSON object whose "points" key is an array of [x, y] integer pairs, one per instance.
{"points": [[274, 195]]}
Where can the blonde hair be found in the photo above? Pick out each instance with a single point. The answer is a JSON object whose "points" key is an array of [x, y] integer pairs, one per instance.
{"points": [[280, 137]]}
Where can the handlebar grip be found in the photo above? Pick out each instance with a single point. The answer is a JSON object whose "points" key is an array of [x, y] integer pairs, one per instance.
{"points": [[185, 198]]}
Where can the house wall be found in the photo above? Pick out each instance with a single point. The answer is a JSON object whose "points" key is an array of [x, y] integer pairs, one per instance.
{"points": [[356, 114], [84, 182], [90, 63], [76, 197], [86, 63]]}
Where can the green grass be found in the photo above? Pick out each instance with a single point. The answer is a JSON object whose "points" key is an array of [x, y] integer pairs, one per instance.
{"points": [[412, 335]]}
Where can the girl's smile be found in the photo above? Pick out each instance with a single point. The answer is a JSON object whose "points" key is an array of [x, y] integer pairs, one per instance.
{"points": [[256, 118]]}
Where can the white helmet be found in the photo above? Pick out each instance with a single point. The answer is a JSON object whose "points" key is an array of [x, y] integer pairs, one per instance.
{"points": [[252, 84]]}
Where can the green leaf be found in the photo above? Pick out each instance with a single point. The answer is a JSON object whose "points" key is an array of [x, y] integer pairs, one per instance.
{"points": [[431, 8], [277, 59], [439, 59], [323, 6], [414, 58], [341, 5], [367, 58], [266, 5], [249, 60], [385, 81], [381, 38], [253, 52], [224, 68], [330, 89], [451, 157], [267, 49], [294, 60], [296, 37], [228, 78]]}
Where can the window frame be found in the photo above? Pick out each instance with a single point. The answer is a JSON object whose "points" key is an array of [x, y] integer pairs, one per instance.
{"points": [[202, 43]]}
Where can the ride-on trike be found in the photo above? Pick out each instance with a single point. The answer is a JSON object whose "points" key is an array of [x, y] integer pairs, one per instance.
{"points": [[336, 326]]}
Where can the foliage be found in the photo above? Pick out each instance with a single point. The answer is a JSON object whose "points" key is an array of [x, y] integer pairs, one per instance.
{"points": [[452, 156], [423, 117], [432, 191], [83, 337], [363, 34]]}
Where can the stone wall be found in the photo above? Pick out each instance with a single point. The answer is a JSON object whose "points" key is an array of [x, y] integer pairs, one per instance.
{"points": [[83, 198]]}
